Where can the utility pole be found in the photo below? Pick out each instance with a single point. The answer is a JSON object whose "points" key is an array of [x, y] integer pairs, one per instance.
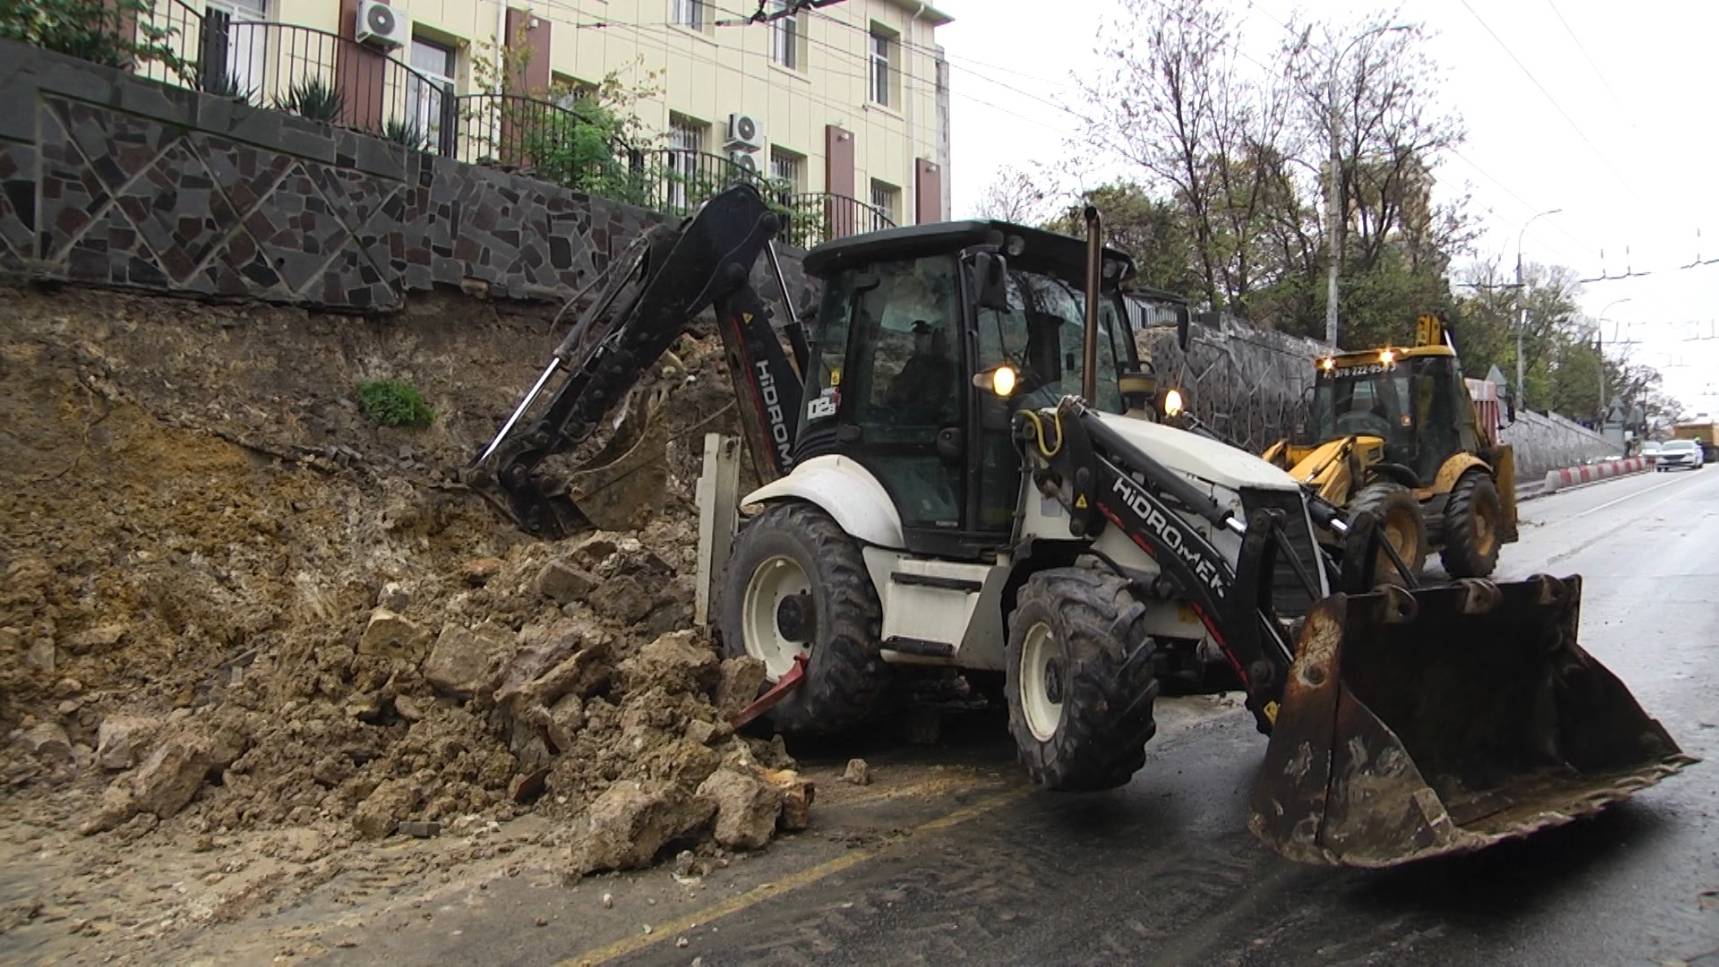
{"points": [[1334, 212], [1599, 349], [1522, 312]]}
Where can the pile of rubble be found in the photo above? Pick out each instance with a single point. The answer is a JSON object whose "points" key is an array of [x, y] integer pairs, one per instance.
{"points": [[202, 630], [598, 708]]}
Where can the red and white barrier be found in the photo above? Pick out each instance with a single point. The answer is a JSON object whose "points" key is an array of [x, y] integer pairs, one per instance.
{"points": [[1588, 473]]}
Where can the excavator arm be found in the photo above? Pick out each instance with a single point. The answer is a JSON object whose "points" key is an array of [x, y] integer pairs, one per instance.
{"points": [[646, 300]]}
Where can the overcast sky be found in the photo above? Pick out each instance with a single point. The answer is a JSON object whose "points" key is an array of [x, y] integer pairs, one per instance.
{"points": [[1632, 164]]}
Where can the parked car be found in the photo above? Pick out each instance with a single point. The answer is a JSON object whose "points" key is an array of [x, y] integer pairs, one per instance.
{"points": [[1679, 454]]}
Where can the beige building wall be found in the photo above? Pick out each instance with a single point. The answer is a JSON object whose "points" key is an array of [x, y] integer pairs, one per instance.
{"points": [[705, 75]]}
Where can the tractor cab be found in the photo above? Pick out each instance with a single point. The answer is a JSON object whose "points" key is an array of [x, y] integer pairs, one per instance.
{"points": [[928, 340], [1412, 400]]}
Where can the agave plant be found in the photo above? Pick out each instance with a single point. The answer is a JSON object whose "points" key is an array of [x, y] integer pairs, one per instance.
{"points": [[313, 99], [407, 133], [226, 85]]}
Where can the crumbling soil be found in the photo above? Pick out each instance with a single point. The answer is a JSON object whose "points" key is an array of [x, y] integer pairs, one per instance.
{"points": [[234, 612]]}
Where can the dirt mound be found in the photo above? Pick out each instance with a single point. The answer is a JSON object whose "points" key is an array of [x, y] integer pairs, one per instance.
{"points": [[230, 603]]}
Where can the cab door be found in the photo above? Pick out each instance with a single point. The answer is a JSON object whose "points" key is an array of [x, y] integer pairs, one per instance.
{"points": [[891, 378]]}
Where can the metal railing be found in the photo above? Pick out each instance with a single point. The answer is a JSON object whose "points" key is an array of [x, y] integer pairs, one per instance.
{"points": [[302, 70], [327, 77], [818, 217]]}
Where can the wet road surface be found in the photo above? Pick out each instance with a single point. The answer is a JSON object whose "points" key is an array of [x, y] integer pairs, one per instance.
{"points": [[1164, 870], [951, 855]]}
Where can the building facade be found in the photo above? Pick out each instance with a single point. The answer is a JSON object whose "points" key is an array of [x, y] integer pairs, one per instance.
{"points": [[849, 98]]}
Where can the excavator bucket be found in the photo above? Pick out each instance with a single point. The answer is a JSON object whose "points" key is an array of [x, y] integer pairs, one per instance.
{"points": [[1444, 720]]}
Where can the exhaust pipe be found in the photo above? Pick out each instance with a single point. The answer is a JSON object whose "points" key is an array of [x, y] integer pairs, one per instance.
{"points": [[1094, 274]]}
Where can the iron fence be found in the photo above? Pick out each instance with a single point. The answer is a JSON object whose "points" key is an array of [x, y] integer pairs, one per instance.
{"points": [[818, 217], [327, 77], [313, 73]]}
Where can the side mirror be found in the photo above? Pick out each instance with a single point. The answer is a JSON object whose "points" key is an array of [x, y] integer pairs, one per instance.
{"points": [[991, 281], [1182, 328]]}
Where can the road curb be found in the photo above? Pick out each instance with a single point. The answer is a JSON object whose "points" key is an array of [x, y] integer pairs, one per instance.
{"points": [[1591, 472]]}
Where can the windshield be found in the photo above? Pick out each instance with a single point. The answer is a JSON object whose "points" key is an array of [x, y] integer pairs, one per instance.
{"points": [[1677, 445], [1042, 336], [1367, 399]]}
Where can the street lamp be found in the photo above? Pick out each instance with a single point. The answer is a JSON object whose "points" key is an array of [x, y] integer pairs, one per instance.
{"points": [[1522, 310], [1331, 212], [1599, 340]]}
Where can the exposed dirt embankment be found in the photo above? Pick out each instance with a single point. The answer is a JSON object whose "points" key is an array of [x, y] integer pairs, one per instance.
{"points": [[231, 603]]}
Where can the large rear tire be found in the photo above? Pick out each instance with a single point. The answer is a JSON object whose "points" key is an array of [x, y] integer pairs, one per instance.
{"points": [[1079, 680], [1400, 523], [1473, 527], [796, 584]]}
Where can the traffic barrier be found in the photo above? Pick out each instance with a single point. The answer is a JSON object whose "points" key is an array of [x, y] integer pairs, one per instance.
{"points": [[1590, 472]]}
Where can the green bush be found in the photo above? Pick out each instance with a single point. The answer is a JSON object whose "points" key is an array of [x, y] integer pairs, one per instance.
{"points": [[393, 403], [313, 99], [99, 31]]}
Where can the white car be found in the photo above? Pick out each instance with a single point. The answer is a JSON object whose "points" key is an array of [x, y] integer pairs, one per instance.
{"points": [[1679, 454]]}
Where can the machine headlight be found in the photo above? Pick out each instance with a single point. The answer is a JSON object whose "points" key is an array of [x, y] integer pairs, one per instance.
{"points": [[1003, 381], [1173, 402], [1388, 356]]}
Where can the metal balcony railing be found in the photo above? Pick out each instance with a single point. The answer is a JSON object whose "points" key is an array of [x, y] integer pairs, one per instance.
{"points": [[327, 77]]}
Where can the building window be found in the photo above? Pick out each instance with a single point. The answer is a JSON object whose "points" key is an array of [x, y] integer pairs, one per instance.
{"points": [[886, 198], [787, 167], [787, 37], [570, 92], [687, 13], [235, 38], [430, 88], [884, 50], [686, 138]]}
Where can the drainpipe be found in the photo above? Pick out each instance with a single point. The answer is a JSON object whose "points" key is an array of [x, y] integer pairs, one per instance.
{"points": [[500, 47]]}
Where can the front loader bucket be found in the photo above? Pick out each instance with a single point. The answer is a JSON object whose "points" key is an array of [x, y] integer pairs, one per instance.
{"points": [[1446, 719]]}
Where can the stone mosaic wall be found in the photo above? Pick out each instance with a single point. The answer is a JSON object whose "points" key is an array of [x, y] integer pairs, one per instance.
{"points": [[110, 179]]}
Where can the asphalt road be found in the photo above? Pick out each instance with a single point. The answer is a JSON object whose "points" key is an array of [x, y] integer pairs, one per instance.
{"points": [[1163, 871]]}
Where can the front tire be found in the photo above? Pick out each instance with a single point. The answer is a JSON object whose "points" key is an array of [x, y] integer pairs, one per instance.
{"points": [[797, 584], [1400, 522], [1473, 519], [1079, 680]]}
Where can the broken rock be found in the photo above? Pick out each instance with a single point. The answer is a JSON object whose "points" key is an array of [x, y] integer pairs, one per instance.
{"points": [[48, 741], [623, 599], [564, 582], [797, 794], [391, 635], [738, 682], [746, 807], [477, 571], [677, 661], [857, 772], [381, 813], [631, 821], [90, 639], [120, 740], [460, 661]]}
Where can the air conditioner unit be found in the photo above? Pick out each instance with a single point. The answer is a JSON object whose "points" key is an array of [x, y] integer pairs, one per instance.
{"points": [[745, 133], [380, 25], [744, 160]]}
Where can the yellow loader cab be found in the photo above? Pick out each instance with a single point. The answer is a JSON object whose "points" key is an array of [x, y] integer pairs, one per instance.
{"points": [[1396, 432]]}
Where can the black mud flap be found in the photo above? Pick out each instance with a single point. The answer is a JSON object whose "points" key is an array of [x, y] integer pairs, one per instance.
{"points": [[1444, 720]]}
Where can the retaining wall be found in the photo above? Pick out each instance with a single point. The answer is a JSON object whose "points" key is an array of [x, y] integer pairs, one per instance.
{"points": [[115, 180]]}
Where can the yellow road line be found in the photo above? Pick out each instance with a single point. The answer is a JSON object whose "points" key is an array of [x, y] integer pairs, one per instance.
{"points": [[795, 881]]}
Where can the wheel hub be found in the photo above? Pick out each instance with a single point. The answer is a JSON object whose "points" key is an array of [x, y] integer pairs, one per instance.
{"points": [[1041, 679], [778, 619], [795, 618]]}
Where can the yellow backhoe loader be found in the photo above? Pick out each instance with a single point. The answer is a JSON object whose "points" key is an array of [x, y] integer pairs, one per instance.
{"points": [[1398, 432]]}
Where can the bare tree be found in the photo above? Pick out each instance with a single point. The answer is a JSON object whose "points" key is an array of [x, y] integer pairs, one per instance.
{"points": [[1155, 102], [1365, 92], [1015, 196]]}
